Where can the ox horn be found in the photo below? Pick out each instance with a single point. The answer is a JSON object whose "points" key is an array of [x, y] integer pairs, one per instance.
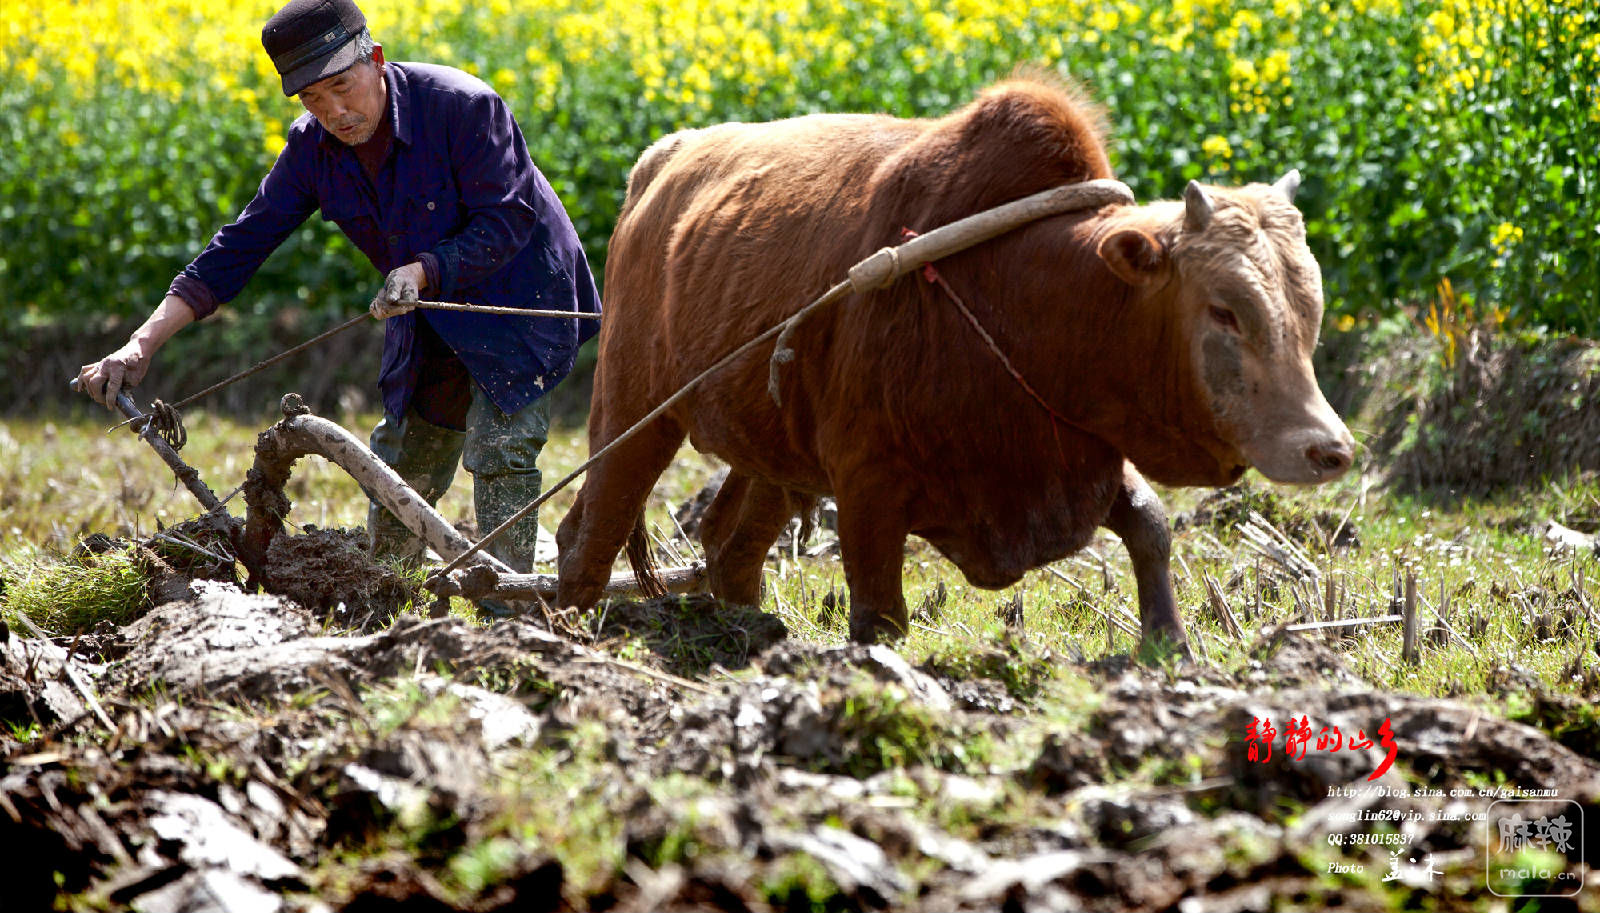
{"points": [[1289, 184], [1198, 207]]}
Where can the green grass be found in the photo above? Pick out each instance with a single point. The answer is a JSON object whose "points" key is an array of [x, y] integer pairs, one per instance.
{"points": [[880, 727], [74, 594], [565, 797], [1023, 669], [566, 800]]}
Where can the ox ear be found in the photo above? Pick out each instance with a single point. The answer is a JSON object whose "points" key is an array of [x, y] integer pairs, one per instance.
{"points": [[1135, 256], [1289, 184], [1197, 207]]}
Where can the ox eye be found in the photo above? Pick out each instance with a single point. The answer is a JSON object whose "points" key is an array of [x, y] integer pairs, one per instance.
{"points": [[1224, 318]]}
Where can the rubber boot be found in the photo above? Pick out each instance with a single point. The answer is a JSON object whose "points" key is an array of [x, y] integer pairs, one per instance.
{"points": [[495, 499], [425, 455], [502, 453]]}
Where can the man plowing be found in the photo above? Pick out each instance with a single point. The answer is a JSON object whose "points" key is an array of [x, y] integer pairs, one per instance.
{"points": [[425, 169]]}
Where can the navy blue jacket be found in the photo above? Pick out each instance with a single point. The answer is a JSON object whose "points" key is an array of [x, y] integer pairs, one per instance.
{"points": [[465, 192]]}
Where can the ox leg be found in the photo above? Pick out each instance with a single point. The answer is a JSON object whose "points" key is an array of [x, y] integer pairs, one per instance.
{"points": [[1139, 519], [612, 498], [872, 545], [738, 529]]}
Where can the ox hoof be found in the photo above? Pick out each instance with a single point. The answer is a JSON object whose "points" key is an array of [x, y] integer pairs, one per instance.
{"points": [[873, 628]]}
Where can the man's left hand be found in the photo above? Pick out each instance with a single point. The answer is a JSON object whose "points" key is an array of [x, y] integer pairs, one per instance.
{"points": [[400, 292]]}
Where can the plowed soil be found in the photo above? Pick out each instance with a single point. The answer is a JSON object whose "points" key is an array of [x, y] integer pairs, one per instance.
{"points": [[309, 750]]}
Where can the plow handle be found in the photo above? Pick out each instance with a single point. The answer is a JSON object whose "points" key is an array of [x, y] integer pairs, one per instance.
{"points": [[185, 473]]}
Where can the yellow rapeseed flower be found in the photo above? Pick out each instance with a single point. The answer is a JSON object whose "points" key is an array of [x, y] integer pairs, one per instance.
{"points": [[1105, 19], [1505, 235], [1242, 74], [1275, 67], [1443, 23], [1244, 24], [696, 78]]}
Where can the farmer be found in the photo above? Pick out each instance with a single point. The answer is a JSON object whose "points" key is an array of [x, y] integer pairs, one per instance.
{"points": [[426, 170]]}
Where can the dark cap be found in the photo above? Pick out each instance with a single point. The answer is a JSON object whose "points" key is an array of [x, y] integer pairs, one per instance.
{"points": [[310, 40]]}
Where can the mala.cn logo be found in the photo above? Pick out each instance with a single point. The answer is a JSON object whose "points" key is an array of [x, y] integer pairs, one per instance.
{"points": [[1534, 848]]}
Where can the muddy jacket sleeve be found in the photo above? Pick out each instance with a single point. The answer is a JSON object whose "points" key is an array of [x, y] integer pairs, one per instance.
{"points": [[284, 200]]}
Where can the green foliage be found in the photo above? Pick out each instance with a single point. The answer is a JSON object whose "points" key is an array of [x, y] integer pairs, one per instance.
{"points": [[521, 678], [799, 882], [1437, 139], [406, 703], [104, 206], [1523, 181], [484, 864], [562, 796], [1572, 723]]}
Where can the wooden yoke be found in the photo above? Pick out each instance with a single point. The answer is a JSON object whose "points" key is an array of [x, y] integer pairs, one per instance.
{"points": [[890, 263]]}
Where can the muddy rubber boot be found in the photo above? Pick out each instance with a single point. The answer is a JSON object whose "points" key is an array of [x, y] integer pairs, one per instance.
{"points": [[425, 456], [495, 499], [502, 453]]}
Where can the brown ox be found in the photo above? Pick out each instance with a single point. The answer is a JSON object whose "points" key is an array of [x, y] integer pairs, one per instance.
{"points": [[1176, 336]]}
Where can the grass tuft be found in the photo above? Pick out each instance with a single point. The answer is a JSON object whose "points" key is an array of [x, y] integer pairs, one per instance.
{"points": [[880, 727], [77, 593], [1022, 668]]}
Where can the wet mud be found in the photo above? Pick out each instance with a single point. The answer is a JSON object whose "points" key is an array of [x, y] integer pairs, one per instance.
{"points": [[237, 755], [331, 572]]}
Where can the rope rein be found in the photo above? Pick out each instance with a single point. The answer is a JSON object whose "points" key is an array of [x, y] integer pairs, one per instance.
{"points": [[168, 422], [833, 294], [932, 276]]}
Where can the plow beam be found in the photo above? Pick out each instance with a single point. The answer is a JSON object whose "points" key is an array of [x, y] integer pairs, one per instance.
{"points": [[303, 434]]}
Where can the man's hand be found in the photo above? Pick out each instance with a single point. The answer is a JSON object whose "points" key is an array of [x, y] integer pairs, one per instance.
{"points": [[400, 292], [123, 368]]}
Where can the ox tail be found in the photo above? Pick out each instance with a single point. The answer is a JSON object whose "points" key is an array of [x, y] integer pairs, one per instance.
{"points": [[643, 562]]}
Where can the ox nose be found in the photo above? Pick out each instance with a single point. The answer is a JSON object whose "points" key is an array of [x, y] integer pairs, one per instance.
{"points": [[1331, 456]]}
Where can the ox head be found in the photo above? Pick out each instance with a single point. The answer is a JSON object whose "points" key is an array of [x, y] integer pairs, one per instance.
{"points": [[1246, 294]]}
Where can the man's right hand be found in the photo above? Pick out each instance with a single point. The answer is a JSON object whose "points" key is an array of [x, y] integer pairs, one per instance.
{"points": [[122, 369], [400, 292]]}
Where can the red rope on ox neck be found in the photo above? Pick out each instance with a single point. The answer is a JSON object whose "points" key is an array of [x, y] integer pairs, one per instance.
{"points": [[932, 276]]}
